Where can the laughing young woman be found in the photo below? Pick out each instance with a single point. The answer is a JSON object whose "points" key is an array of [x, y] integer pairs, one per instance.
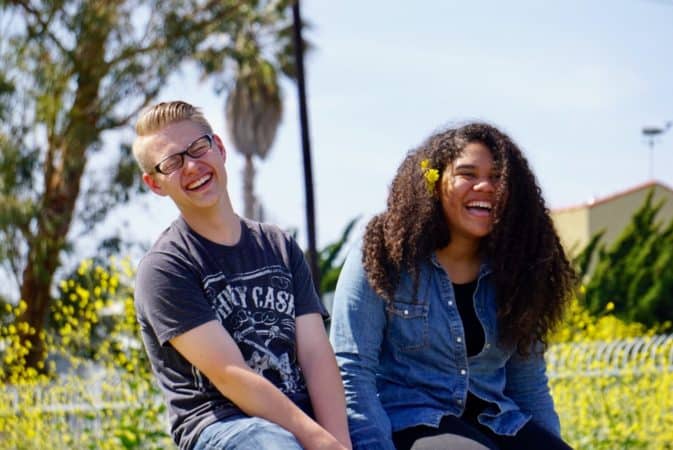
{"points": [[441, 314]]}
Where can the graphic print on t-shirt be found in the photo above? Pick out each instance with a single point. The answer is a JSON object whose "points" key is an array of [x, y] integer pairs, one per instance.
{"points": [[257, 309]]}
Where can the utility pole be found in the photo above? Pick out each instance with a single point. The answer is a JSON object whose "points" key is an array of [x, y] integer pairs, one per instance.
{"points": [[306, 147]]}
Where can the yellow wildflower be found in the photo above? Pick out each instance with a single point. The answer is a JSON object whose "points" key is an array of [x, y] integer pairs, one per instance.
{"points": [[430, 175]]}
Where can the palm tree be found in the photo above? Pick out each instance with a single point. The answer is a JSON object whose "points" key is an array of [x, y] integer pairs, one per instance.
{"points": [[254, 107], [253, 111]]}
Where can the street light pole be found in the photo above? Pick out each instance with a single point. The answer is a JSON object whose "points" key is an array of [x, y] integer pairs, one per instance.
{"points": [[651, 133], [312, 254]]}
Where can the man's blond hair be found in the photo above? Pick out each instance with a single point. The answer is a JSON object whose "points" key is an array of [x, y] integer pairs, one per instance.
{"points": [[154, 118]]}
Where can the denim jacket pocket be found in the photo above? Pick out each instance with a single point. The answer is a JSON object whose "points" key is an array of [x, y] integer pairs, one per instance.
{"points": [[407, 325]]}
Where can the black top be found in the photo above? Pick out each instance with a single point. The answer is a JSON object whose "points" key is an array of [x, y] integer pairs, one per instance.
{"points": [[474, 332], [474, 340]]}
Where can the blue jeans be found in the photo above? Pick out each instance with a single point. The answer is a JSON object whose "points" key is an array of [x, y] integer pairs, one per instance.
{"points": [[244, 433]]}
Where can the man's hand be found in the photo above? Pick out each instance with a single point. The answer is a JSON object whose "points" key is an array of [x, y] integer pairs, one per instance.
{"points": [[211, 349], [317, 362]]}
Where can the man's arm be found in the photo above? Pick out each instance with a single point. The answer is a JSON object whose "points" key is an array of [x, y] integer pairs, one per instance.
{"points": [[211, 349], [316, 359]]}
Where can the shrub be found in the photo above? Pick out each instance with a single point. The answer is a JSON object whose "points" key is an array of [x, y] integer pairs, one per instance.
{"points": [[93, 331]]}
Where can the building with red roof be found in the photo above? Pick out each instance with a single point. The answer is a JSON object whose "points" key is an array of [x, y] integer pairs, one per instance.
{"points": [[577, 224]]}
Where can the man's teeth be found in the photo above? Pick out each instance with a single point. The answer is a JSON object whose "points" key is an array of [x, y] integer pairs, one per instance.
{"points": [[198, 183]]}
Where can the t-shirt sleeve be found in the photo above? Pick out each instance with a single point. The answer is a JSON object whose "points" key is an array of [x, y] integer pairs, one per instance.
{"points": [[305, 296], [169, 296]]}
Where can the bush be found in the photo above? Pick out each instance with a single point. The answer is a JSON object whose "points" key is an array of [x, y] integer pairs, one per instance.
{"points": [[635, 273], [92, 331], [621, 402]]}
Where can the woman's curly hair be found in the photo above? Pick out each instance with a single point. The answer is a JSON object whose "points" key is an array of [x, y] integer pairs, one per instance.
{"points": [[532, 275]]}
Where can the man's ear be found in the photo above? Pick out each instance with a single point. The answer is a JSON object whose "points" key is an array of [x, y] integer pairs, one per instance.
{"points": [[153, 185], [219, 145]]}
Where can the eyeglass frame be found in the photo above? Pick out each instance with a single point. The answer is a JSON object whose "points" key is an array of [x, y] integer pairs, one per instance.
{"points": [[182, 154]]}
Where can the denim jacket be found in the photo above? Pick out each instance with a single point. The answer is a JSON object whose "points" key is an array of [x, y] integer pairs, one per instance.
{"points": [[405, 363]]}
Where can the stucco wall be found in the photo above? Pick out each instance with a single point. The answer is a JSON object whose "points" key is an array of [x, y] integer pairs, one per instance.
{"points": [[572, 225]]}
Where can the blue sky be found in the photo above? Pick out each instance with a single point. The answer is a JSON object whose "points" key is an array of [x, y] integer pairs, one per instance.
{"points": [[573, 82]]}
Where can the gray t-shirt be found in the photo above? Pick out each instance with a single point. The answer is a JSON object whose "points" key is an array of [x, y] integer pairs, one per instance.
{"points": [[255, 289]]}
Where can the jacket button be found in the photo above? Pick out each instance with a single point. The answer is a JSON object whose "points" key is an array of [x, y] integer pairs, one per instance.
{"points": [[459, 339], [450, 303], [463, 371], [406, 312]]}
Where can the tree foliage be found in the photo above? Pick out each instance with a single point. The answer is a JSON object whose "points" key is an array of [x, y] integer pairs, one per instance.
{"points": [[331, 259], [254, 106], [104, 396], [254, 111], [635, 273], [74, 70]]}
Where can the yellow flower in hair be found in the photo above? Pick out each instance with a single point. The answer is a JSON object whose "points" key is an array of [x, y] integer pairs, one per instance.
{"points": [[430, 175]]}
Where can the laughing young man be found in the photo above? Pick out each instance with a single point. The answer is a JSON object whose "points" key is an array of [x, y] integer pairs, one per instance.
{"points": [[228, 312]]}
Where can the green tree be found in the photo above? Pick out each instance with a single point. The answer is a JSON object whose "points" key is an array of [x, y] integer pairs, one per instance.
{"points": [[635, 273], [253, 111], [254, 106], [73, 70], [583, 260], [331, 259]]}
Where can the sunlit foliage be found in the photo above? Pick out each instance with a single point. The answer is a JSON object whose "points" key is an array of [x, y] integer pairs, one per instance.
{"points": [[97, 391], [608, 395]]}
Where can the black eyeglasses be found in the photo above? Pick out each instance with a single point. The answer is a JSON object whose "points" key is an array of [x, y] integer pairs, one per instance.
{"points": [[195, 150]]}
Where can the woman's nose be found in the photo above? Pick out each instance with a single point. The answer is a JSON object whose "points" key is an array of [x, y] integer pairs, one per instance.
{"points": [[484, 184]]}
